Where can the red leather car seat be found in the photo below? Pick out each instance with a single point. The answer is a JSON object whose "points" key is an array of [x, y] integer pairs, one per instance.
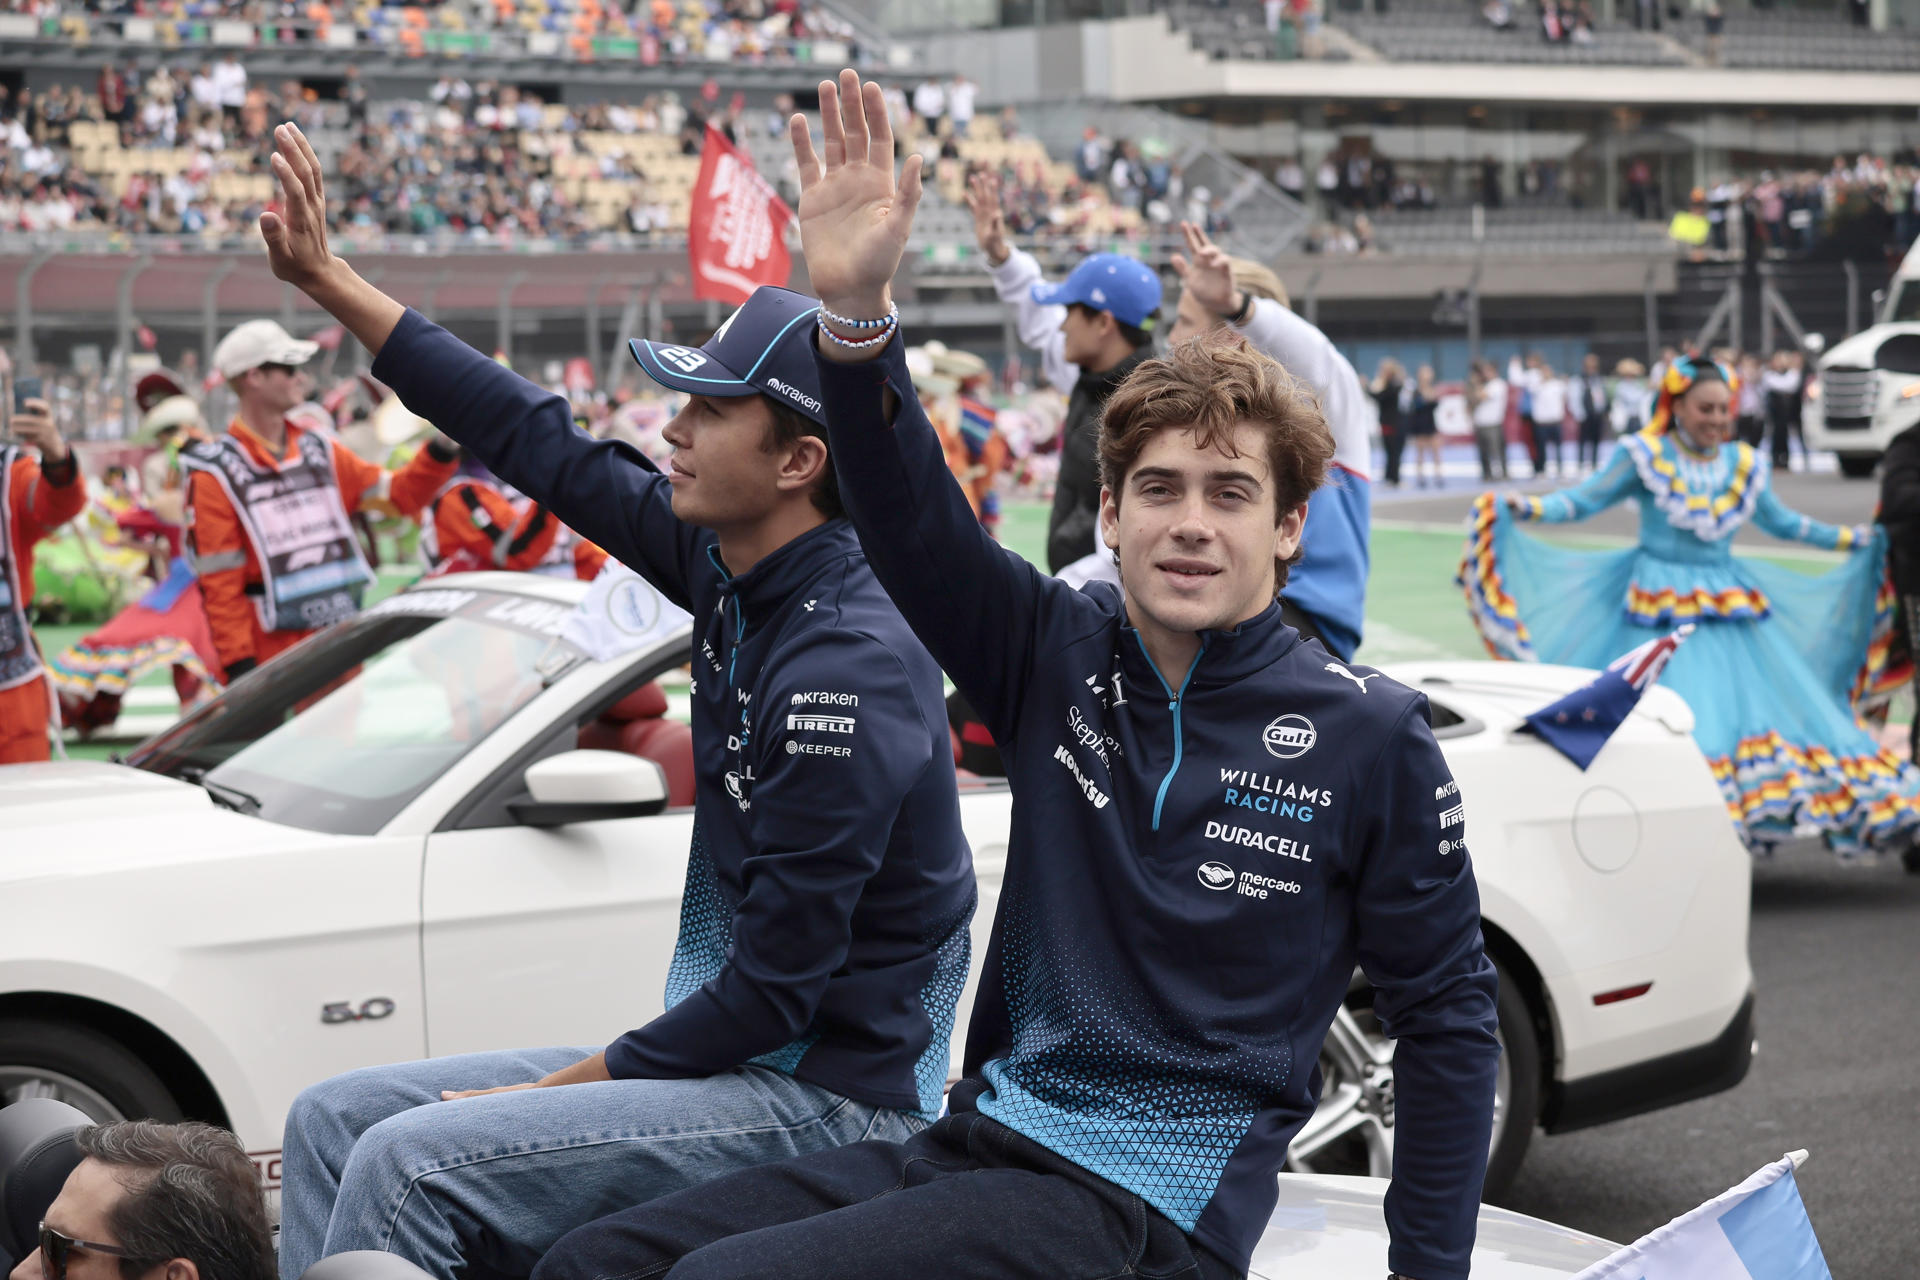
{"points": [[638, 725]]}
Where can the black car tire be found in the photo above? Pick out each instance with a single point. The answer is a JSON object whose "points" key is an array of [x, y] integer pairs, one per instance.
{"points": [[90, 1058], [1522, 1044]]}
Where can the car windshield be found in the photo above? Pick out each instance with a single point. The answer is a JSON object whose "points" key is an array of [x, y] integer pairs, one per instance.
{"points": [[1904, 308], [341, 733]]}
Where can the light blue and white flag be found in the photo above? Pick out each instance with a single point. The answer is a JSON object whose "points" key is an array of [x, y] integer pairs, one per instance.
{"points": [[1757, 1231]]}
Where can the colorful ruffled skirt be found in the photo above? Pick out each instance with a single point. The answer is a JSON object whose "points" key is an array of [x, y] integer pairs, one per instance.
{"points": [[1781, 672], [167, 627]]}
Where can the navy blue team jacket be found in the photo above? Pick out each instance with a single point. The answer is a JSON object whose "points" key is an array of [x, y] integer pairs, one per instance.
{"points": [[1197, 860], [823, 931]]}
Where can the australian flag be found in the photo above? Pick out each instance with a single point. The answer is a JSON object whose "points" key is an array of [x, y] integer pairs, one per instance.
{"points": [[1578, 725]]}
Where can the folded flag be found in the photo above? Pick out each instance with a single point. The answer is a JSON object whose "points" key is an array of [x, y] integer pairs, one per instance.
{"points": [[620, 613], [1757, 1231], [1579, 724]]}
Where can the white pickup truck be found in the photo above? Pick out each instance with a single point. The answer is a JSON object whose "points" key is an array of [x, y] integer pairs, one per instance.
{"points": [[1869, 386]]}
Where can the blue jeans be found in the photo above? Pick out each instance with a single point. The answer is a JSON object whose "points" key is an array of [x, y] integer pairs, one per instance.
{"points": [[968, 1199], [375, 1160]]}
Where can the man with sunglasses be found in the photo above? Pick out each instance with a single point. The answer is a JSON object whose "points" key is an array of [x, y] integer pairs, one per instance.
{"points": [[270, 505], [153, 1201]]}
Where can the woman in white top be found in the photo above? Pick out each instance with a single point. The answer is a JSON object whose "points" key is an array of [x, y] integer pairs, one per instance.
{"points": [[1487, 393], [1549, 416]]}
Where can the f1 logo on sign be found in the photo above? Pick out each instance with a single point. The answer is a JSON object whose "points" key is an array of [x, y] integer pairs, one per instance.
{"points": [[366, 1011]]}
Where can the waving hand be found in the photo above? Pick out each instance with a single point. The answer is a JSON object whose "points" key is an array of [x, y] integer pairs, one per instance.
{"points": [[854, 219]]}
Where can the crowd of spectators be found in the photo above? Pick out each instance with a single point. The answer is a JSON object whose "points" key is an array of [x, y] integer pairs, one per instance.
{"points": [[753, 31], [1866, 207], [178, 151], [1557, 21]]}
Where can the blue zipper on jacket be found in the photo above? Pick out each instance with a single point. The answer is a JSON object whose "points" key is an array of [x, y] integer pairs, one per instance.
{"points": [[1173, 705]]}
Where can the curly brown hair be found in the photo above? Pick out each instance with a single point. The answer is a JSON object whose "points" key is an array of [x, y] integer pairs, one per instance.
{"points": [[1209, 385]]}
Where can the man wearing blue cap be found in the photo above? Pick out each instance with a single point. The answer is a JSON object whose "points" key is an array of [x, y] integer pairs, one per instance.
{"points": [[823, 933], [1091, 330]]}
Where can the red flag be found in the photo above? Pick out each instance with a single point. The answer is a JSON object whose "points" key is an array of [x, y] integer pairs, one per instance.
{"points": [[736, 231]]}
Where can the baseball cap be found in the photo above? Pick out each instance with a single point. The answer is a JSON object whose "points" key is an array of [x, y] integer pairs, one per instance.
{"points": [[763, 348], [259, 342], [1107, 282]]}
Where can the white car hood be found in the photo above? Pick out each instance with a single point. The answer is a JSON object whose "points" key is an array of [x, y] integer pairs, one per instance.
{"points": [[1335, 1228], [1857, 352], [1507, 692], [86, 817]]}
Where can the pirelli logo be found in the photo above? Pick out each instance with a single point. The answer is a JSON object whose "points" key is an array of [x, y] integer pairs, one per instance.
{"points": [[804, 723]]}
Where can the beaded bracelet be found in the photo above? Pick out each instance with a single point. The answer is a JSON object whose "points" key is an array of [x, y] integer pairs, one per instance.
{"points": [[892, 317], [864, 344]]}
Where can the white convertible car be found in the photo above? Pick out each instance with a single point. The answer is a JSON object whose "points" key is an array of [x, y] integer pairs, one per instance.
{"points": [[442, 828]]}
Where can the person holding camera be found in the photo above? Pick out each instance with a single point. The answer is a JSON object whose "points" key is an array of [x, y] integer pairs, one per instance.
{"points": [[40, 489]]}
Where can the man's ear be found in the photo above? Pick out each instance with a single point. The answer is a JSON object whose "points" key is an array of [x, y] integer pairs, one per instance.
{"points": [[1286, 535], [177, 1269], [1109, 518], [805, 463]]}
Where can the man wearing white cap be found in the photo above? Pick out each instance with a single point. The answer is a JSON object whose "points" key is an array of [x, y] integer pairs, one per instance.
{"points": [[270, 501]]}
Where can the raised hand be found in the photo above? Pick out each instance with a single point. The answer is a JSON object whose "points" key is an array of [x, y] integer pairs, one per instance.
{"points": [[989, 218], [297, 236], [854, 220], [1208, 275], [33, 425]]}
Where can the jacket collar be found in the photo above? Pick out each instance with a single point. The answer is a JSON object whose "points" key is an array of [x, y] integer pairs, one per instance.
{"points": [[1101, 385], [1226, 656], [763, 589]]}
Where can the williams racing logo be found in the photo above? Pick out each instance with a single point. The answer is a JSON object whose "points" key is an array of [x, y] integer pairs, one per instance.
{"points": [[1289, 736]]}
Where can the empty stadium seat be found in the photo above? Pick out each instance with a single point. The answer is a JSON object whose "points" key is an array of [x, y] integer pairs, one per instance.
{"points": [[638, 725]]}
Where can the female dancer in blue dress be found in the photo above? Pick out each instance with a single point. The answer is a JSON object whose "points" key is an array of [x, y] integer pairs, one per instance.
{"points": [[1782, 665]]}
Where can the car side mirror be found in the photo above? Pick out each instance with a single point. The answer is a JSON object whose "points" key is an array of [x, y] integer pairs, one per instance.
{"points": [[590, 786]]}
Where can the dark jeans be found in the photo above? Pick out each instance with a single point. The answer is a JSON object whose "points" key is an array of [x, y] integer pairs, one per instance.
{"points": [[1394, 441], [1592, 430], [1784, 424], [965, 1199], [1546, 435]]}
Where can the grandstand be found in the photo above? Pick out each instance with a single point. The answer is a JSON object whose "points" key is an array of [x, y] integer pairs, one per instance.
{"points": [[1380, 160]]}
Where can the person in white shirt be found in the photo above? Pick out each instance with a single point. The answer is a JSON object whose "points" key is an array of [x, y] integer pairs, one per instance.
{"points": [[960, 97], [1487, 394], [1549, 398], [202, 89], [930, 103], [230, 81], [1782, 383]]}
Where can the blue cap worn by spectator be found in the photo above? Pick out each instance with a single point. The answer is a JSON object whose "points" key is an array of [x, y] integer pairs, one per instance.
{"points": [[1107, 282], [764, 348]]}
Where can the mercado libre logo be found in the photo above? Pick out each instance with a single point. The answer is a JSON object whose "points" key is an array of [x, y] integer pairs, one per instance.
{"points": [[1216, 875], [1289, 736]]}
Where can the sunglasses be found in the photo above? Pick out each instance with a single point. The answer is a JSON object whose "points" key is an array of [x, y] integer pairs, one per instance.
{"points": [[55, 1248], [288, 369]]}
